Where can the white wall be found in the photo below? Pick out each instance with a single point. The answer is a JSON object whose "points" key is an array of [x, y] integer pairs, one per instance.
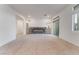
{"points": [[66, 32], [7, 25], [38, 23], [20, 27]]}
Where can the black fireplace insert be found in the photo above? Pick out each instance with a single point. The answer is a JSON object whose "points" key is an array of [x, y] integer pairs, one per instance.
{"points": [[37, 30]]}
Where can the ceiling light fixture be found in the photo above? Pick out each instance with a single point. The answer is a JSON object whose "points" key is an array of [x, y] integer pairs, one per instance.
{"points": [[28, 16]]}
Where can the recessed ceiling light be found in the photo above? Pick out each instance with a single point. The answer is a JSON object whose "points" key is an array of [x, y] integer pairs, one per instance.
{"points": [[48, 16], [29, 16]]}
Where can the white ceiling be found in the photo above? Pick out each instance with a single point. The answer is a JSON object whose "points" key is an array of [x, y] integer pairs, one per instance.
{"points": [[38, 10]]}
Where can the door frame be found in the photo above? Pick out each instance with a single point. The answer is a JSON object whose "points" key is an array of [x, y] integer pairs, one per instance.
{"points": [[54, 20]]}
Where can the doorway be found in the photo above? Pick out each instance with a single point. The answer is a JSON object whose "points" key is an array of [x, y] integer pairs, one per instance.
{"points": [[19, 26], [56, 27], [27, 28]]}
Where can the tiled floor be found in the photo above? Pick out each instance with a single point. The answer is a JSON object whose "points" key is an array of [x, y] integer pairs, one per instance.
{"points": [[39, 44]]}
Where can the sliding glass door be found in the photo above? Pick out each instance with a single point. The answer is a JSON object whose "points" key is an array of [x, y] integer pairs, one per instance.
{"points": [[56, 27]]}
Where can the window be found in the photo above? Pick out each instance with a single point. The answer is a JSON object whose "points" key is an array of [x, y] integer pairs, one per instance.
{"points": [[75, 18]]}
